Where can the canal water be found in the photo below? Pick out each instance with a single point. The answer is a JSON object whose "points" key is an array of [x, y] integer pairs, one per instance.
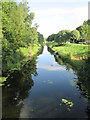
{"points": [[40, 89]]}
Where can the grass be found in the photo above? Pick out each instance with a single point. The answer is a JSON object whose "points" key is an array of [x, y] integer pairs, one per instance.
{"points": [[24, 51], [74, 51], [19, 59], [51, 44], [71, 54]]}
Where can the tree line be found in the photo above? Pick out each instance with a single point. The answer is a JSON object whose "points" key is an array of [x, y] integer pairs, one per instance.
{"points": [[17, 31], [80, 34]]}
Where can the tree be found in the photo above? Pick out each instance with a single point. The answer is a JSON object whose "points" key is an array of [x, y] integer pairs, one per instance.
{"points": [[51, 37], [40, 39], [64, 35], [75, 35], [83, 29], [60, 37], [17, 32], [88, 33]]}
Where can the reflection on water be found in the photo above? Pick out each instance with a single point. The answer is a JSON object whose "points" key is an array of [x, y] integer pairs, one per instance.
{"points": [[55, 68], [37, 90], [83, 82], [17, 88]]}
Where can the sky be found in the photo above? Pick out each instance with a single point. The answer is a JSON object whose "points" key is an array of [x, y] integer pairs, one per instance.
{"points": [[55, 15]]}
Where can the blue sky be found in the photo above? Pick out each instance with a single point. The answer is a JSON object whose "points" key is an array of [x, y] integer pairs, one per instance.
{"points": [[55, 15]]}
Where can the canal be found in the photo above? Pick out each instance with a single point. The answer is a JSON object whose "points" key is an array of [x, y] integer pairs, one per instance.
{"points": [[43, 89]]}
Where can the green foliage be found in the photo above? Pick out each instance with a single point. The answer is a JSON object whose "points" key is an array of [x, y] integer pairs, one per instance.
{"points": [[71, 52], [75, 35], [81, 33], [17, 32], [17, 87], [2, 80], [88, 34], [41, 39], [82, 70], [67, 102], [63, 36], [83, 29], [60, 37], [51, 37], [84, 78], [24, 51]]}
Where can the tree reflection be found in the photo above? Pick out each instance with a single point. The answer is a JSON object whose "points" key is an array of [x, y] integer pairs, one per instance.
{"points": [[84, 82], [17, 88], [41, 50], [84, 78], [82, 70]]}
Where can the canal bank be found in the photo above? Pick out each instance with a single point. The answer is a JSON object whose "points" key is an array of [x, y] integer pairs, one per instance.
{"points": [[43, 86]]}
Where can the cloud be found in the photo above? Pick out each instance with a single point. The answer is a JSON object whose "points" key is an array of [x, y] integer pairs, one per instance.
{"points": [[55, 11], [51, 68], [55, 15], [54, 19]]}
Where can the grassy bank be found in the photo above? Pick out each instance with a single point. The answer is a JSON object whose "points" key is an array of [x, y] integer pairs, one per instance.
{"points": [[20, 57], [24, 51], [71, 54], [72, 51]]}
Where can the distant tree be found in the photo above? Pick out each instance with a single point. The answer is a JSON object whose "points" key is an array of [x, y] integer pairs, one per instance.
{"points": [[63, 36], [40, 39], [81, 33], [60, 37], [75, 35], [88, 33], [51, 37], [83, 29]]}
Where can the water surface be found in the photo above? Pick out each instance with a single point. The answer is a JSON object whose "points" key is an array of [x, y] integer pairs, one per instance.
{"points": [[39, 89]]}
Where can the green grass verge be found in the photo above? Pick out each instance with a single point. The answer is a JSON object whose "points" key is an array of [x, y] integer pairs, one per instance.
{"points": [[19, 59], [71, 50], [24, 51]]}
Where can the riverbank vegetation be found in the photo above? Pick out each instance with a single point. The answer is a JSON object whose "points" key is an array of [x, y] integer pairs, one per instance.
{"points": [[73, 44], [71, 51], [71, 48], [18, 35], [80, 34]]}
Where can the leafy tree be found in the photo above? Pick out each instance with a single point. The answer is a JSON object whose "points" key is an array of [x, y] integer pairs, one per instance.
{"points": [[83, 29], [88, 33], [64, 35], [75, 35], [51, 37], [60, 37], [81, 33], [40, 39], [17, 32]]}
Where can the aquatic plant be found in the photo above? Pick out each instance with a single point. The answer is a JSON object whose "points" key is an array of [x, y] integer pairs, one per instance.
{"points": [[68, 103]]}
